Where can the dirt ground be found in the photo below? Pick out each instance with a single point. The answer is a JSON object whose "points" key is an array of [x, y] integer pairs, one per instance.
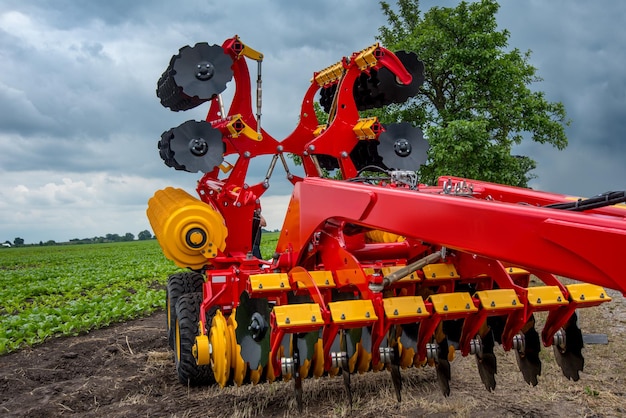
{"points": [[126, 370]]}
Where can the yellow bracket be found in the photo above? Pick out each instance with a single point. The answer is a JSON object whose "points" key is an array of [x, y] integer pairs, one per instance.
{"points": [[237, 127], [270, 282], [318, 131], [450, 303], [322, 278], [225, 167], [495, 299], [545, 296], [516, 271], [298, 315], [249, 52], [440, 271], [329, 74], [367, 57], [352, 311], [587, 293], [364, 128], [405, 307]]}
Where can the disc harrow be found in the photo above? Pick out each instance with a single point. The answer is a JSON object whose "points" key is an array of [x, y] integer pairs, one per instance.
{"points": [[372, 271], [194, 76]]}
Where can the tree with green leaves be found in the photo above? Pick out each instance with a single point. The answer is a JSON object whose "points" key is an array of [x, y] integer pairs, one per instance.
{"points": [[144, 235], [476, 102]]}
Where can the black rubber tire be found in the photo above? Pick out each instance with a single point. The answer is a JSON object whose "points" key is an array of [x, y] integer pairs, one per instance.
{"points": [[186, 330], [179, 284]]}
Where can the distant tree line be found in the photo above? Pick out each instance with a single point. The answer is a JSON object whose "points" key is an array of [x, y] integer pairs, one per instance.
{"points": [[142, 236]]}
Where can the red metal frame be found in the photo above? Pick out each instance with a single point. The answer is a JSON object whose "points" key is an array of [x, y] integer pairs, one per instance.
{"points": [[485, 227]]}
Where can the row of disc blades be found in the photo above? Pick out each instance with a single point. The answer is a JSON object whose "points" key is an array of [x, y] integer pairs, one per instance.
{"points": [[380, 87], [400, 147], [195, 146], [198, 74]]}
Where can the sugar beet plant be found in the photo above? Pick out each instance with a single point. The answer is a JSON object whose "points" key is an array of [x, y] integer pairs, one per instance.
{"points": [[65, 290]]}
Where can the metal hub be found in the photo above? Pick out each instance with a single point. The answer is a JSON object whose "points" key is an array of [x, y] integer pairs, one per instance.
{"points": [[287, 365], [386, 354], [339, 359], [198, 147], [257, 327], [519, 342], [432, 351], [476, 346], [560, 339], [205, 71], [402, 147]]}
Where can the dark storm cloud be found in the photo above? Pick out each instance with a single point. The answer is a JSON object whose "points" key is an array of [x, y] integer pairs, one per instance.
{"points": [[79, 118], [579, 50]]}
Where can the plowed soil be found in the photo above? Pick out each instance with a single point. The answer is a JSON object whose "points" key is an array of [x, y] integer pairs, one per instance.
{"points": [[126, 370]]}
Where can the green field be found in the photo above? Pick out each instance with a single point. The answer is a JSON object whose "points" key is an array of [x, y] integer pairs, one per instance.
{"points": [[47, 291]]}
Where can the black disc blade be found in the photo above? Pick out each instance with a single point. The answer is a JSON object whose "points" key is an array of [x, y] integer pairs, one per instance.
{"points": [[528, 361], [202, 71], [252, 332], [196, 146], [487, 363], [380, 87], [442, 364], [402, 147], [396, 92], [570, 357]]}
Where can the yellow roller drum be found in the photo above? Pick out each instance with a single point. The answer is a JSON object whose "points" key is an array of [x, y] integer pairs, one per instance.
{"points": [[189, 231]]}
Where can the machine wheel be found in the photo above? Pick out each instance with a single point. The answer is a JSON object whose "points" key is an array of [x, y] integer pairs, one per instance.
{"points": [[185, 332], [177, 285]]}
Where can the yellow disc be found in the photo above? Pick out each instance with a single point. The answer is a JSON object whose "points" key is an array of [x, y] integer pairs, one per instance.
{"points": [[177, 341], [304, 368], [168, 309], [406, 355], [270, 375], [364, 359], [378, 367], [255, 375], [318, 358], [451, 353], [417, 362], [220, 344], [406, 358], [237, 362], [352, 361]]}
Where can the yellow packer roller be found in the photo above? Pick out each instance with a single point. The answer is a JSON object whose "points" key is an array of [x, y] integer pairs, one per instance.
{"points": [[189, 231]]}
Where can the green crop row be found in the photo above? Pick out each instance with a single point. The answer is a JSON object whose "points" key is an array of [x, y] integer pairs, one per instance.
{"points": [[65, 290], [50, 291], [268, 244]]}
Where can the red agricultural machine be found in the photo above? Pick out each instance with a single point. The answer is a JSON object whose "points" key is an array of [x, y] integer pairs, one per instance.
{"points": [[372, 270]]}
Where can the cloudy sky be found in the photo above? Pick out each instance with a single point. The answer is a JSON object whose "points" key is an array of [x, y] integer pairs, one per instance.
{"points": [[79, 118]]}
